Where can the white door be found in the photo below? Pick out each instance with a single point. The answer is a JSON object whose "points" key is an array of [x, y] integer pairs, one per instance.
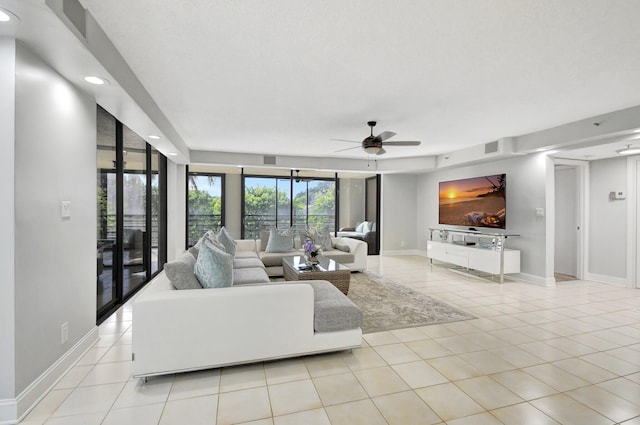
{"points": [[566, 220]]}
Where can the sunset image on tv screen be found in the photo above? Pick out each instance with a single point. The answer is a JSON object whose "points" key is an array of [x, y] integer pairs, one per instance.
{"points": [[474, 202]]}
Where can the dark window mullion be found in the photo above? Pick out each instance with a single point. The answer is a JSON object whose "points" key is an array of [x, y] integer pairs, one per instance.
{"points": [[117, 257], [146, 257]]}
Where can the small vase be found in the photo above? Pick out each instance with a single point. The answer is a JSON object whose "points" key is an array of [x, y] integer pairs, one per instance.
{"points": [[311, 259]]}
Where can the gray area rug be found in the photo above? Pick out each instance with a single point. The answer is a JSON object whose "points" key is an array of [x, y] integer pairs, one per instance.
{"points": [[387, 305]]}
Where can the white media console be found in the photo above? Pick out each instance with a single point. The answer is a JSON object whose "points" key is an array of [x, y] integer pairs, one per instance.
{"points": [[475, 250]]}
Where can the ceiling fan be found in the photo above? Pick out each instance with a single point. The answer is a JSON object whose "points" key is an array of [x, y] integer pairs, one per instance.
{"points": [[375, 144], [298, 178]]}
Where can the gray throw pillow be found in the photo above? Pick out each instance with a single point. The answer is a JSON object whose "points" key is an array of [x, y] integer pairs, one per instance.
{"points": [[209, 236], [342, 247], [180, 272], [280, 241], [225, 238], [264, 239], [214, 267], [323, 238]]}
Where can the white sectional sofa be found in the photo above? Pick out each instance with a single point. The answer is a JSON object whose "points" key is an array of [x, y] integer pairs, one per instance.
{"points": [[185, 330], [349, 252]]}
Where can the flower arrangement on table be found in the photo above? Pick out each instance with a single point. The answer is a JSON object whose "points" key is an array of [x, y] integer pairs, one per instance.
{"points": [[311, 252]]}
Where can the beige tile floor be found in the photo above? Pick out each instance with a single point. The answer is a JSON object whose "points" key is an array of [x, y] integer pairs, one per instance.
{"points": [[563, 355]]}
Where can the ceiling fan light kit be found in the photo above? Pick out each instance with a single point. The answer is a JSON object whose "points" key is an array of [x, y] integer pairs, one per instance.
{"points": [[374, 145]]}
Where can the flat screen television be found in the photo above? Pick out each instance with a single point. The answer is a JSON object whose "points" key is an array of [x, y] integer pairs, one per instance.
{"points": [[474, 202]]}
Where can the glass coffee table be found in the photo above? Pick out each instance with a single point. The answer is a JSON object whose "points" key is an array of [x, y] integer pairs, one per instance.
{"points": [[295, 268]]}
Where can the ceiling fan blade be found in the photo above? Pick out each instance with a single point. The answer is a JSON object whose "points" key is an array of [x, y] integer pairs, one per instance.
{"points": [[384, 136], [347, 149], [415, 143], [343, 140]]}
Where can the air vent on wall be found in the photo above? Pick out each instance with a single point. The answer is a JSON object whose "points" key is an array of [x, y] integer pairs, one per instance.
{"points": [[491, 147], [269, 160]]}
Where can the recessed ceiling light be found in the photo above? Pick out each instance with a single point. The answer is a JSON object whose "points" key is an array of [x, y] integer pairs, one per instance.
{"points": [[172, 154], [629, 150], [154, 137], [541, 149], [6, 16], [92, 79]]}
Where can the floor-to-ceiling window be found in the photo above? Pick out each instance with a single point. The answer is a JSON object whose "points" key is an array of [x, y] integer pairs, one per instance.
{"points": [[205, 204], [131, 206], [287, 202]]}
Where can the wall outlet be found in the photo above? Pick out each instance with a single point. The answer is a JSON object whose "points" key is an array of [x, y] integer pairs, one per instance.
{"points": [[64, 333]]}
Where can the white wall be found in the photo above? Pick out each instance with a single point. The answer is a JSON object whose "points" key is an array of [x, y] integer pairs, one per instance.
{"points": [[7, 231], [55, 258], [399, 212], [352, 196], [526, 190], [176, 209], [233, 204], [607, 220]]}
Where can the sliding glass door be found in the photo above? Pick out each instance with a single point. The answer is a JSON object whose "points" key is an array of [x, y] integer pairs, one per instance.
{"points": [[131, 205], [287, 202]]}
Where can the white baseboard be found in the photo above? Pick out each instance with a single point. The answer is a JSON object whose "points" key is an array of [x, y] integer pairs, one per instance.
{"points": [[530, 278], [14, 410], [419, 252], [610, 280]]}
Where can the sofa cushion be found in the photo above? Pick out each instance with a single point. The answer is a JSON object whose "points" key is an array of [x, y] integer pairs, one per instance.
{"points": [[333, 311], [214, 267], [249, 276], [227, 240], [180, 272], [246, 254], [339, 256], [247, 263], [280, 241], [270, 259]]}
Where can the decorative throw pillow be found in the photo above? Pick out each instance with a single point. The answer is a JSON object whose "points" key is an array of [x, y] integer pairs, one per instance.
{"points": [[304, 235], [361, 228], [225, 238], [264, 239], [180, 272], [209, 236], [194, 251], [342, 247], [214, 267], [280, 241], [323, 238]]}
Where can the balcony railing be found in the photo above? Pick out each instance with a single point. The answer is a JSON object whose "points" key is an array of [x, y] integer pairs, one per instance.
{"points": [[198, 224], [131, 222], [253, 223]]}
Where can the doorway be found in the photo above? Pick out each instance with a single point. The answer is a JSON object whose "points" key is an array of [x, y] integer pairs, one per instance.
{"points": [[569, 218], [372, 213]]}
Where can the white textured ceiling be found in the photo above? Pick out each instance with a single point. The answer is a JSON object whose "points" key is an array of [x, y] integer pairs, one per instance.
{"points": [[285, 77]]}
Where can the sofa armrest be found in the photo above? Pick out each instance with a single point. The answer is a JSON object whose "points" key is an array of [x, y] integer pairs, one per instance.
{"points": [[228, 325], [358, 249]]}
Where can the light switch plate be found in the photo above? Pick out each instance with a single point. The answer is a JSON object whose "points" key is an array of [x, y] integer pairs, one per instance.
{"points": [[65, 209]]}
